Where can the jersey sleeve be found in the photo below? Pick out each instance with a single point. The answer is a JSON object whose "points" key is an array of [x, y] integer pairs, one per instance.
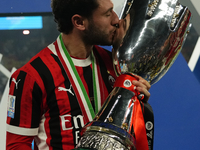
{"points": [[18, 142], [24, 104]]}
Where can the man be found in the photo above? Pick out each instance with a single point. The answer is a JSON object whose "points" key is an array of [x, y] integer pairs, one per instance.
{"points": [[62, 87]]}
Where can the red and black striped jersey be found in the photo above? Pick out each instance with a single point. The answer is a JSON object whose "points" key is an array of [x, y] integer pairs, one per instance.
{"points": [[42, 101]]}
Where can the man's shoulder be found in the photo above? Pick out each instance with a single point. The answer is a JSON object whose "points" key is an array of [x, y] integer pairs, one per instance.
{"points": [[39, 57]]}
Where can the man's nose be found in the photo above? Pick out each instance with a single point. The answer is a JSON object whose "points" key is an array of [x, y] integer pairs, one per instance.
{"points": [[115, 20]]}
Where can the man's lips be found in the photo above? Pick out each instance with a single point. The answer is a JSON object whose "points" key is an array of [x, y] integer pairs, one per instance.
{"points": [[114, 33]]}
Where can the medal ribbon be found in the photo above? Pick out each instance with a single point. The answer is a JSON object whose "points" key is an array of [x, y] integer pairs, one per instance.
{"points": [[97, 96], [137, 119], [79, 89]]}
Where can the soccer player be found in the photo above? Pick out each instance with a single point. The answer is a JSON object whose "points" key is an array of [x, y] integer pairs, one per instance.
{"points": [[62, 87]]}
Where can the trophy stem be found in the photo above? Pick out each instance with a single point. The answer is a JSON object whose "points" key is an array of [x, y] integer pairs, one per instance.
{"points": [[119, 125], [137, 120]]}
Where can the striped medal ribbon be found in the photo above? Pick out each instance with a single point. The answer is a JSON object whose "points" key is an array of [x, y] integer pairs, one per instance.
{"points": [[79, 89]]}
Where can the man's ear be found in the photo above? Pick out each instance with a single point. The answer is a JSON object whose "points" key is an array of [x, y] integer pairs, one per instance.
{"points": [[79, 22]]}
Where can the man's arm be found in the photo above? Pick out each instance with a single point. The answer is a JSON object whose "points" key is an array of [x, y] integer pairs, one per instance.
{"points": [[24, 100]]}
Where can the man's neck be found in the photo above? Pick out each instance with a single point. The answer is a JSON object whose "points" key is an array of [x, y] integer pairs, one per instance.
{"points": [[75, 46]]}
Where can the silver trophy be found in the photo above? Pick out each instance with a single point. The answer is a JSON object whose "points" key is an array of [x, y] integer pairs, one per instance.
{"points": [[154, 37], [150, 37]]}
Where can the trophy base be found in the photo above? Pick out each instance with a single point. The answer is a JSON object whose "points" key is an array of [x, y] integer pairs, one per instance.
{"points": [[83, 149], [99, 141]]}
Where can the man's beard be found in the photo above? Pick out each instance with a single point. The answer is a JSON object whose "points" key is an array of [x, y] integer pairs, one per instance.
{"points": [[94, 36]]}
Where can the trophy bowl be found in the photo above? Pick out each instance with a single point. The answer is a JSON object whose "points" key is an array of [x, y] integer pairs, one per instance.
{"points": [[150, 36], [153, 35]]}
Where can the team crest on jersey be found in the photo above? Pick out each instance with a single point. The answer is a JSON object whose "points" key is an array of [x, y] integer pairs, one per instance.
{"points": [[11, 106], [111, 80]]}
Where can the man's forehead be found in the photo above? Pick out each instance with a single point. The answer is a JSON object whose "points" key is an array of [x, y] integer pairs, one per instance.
{"points": [[105, 3]]}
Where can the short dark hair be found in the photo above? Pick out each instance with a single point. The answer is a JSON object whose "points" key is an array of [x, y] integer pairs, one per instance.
{"points": [[63, 10]]}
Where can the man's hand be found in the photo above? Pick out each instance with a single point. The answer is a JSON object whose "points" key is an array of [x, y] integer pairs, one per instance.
{"points": [[143, 87]]}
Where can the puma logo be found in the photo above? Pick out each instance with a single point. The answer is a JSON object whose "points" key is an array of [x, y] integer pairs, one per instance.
{"points": [[64, 89], [16, 82]]}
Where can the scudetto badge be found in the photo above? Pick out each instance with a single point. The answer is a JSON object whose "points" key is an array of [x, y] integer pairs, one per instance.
{"points": [[11, 106]]}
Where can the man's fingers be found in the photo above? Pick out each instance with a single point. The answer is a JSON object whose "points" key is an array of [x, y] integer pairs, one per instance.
{"points": [[143, 87], [145, 82]]}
